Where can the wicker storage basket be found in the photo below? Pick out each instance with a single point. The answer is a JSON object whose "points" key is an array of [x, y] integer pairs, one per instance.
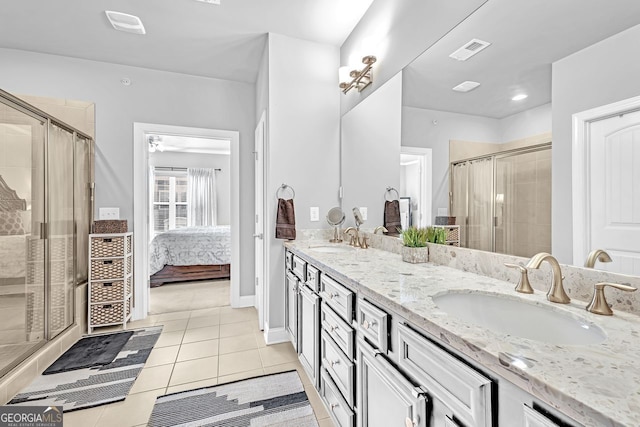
{"points": [[104, 314], [106, 247], [109, 291], [109, 226], [107, 269], [453, 234]]}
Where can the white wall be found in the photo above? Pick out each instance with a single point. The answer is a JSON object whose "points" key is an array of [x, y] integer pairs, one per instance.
{"points": [[418, 130], [534, 121], [371, 134], [303, 145], [198, 160], [601, 74], [397, 32], [153, 97]]}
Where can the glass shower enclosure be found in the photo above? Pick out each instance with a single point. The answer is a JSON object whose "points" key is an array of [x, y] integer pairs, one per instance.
{"points": [[502, 202], [45, 215]]}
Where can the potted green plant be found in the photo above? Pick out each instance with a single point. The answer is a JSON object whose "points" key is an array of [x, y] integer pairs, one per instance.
{"points": [[414, 241]]}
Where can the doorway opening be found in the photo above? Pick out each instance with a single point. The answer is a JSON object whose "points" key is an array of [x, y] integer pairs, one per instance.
{"points": [[415, 187], [179, 195]]}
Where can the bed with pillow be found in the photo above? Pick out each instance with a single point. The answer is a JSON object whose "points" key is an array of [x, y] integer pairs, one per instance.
{"points": [[190, 253], [14, 220]]}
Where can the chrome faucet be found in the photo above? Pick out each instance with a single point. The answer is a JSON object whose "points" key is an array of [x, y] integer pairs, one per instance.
{"points": [[596, 255], [556, 291], [380, 227]]}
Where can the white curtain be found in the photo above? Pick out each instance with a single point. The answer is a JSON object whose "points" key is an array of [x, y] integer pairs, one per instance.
{"points": [[460, 178], [202, 197]]}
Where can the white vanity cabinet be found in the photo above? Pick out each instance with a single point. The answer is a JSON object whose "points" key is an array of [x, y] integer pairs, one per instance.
{"points": [[291, 307], [309, 333], [385, 396], [458, 392]]}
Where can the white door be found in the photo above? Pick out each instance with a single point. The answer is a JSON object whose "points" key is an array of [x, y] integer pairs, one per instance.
{"points": [[614, 191], [259, 218]]}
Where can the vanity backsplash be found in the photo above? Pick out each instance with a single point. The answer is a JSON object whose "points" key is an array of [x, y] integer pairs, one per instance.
{"points": [[578, 281]]}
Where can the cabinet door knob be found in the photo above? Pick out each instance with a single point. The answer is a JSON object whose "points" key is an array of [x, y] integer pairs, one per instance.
{"points": [[366, 324], [332, 328], [334, 406], [335, 362]]}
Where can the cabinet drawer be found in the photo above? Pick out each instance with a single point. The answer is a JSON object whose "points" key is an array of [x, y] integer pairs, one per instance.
{"points": [[373, 324], [337, 329], [299, 268], [341, 369], [337, 296], [107, 247], [339, 410], [313, 278], [446, 378]]}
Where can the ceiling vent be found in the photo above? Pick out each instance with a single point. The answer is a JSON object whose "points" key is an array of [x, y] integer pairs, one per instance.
{"points": [[469, 49], [124, 22], [466, 86]]}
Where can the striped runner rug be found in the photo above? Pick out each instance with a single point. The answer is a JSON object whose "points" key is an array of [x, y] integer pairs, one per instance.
{"points": [[96, 385], [270, 400]]}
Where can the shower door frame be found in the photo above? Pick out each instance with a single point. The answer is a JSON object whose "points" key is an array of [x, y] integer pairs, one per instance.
{"points": [[493, 156], [48, 120]]}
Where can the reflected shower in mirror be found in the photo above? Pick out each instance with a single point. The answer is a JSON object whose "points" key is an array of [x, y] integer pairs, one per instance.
{"points": [[494, 118]]}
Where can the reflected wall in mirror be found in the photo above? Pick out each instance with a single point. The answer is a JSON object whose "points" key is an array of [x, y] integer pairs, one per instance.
{"points": [[370, 151], [529, 46]]}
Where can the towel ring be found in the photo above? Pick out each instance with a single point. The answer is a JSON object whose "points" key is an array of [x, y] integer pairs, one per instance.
{"points": [[284, 188], [389, 190]]}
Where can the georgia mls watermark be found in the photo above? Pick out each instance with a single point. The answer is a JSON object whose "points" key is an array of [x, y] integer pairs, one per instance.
{"points": [[30, 416]]}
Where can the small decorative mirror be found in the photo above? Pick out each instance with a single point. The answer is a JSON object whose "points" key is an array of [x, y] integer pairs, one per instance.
{"points": [[335, 218]]}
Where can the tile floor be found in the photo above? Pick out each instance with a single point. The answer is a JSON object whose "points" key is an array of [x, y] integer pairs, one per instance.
{"points": [[189, 296], [198, 348]]}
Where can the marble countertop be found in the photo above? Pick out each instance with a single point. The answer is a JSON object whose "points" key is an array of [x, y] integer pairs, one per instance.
{"points": [[597, 384]]}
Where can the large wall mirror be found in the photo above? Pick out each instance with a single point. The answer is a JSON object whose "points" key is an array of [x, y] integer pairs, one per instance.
{"points": [[498, 150]]}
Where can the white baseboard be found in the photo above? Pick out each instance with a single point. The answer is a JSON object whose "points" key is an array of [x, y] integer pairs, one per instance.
{"points": [[275, 335], [244, 301]]}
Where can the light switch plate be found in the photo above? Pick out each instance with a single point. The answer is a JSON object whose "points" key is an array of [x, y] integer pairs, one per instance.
{"points": [[363, 211], [314, 213], [109, 213]]}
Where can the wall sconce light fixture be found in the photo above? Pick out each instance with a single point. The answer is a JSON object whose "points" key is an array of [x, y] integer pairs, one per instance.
{"points": [[360, 78]]}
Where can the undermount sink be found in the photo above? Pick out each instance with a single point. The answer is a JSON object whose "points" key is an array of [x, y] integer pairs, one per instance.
{"points": [[337, 249], [520, 318]]}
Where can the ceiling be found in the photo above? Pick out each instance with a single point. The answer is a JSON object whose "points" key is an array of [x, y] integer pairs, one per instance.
{"points": [[222, 41], [527, 37]]}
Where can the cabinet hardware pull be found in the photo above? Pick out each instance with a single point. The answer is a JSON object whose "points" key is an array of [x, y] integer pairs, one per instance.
{"points": [[334, 406], [107, 284], [366, 324], [335, 362], [332, 328], [107, 262], [333, 295], [107, 240]]}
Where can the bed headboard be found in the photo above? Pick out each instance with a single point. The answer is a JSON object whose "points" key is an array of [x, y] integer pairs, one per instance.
{"points": [[9, 200]]}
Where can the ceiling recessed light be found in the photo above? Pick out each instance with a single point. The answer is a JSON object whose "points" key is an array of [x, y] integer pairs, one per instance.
{"points": [[519, 97], [124, 22], [209, 1], [466, 86]]}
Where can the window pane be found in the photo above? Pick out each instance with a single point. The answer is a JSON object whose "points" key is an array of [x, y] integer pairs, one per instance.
{"points": [[161, 191], [181, 216], [181, 189], [160, 218]]}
